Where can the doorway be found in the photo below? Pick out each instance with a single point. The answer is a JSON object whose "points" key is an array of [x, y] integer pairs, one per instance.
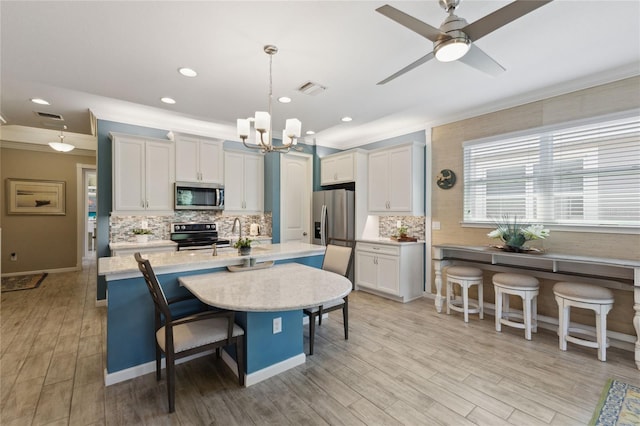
{"points": [[295, 197], [88, 212]]}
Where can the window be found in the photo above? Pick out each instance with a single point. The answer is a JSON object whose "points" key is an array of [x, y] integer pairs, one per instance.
{"points": [[576, 175]]}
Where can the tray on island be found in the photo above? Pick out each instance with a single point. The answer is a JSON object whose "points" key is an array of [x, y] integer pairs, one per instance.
{"points": [[404, 239], [242, 268]]}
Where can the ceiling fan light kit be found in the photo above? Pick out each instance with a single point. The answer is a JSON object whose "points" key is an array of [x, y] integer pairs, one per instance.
{"points": [[454, 39]]}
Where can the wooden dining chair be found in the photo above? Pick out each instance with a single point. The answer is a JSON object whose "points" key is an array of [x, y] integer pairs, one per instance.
{"points": [[336, 259], [182, 337]]}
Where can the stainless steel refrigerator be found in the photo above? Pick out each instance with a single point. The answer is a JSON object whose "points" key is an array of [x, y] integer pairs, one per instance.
{"points": [[333, 216]]}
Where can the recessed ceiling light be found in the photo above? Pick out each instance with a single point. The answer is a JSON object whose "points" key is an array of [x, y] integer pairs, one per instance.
{"points": [[168, 100], [40, 101], [346, 119], [310, 132], [187, 72], [284, 99]]}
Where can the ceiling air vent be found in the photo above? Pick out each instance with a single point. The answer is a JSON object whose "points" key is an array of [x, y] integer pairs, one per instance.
{"points": [[311, 88], [49, 115]]}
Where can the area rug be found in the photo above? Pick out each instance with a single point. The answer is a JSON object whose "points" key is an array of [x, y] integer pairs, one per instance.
{"points": [[619, 405], [22, 282]]}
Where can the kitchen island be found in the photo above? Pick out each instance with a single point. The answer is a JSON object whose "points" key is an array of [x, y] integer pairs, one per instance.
{"points": [[130, 337]]}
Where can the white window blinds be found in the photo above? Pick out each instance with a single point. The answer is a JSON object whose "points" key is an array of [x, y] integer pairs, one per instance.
{"points": [[582, 175]]}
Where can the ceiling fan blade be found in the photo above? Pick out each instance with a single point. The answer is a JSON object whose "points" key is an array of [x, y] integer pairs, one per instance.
{"points": [[408, 68], [476, 58], [415, 25], [500, 17]]}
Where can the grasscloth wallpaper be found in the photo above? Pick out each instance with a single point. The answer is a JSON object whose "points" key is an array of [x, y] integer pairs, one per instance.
{"points": [[447, 205]]}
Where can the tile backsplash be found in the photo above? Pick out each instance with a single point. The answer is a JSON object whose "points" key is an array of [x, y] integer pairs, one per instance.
{"points": [[121, 227], [389, 226]]}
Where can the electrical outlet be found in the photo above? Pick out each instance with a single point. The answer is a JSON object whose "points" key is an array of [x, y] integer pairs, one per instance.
{"points": [[144, 224], [14, 257], [435, 226], [277, 325]]}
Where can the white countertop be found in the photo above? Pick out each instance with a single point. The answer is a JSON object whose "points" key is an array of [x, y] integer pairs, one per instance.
{"points": [[149, 244], [122, 267], [388, 241], [285, 287]]}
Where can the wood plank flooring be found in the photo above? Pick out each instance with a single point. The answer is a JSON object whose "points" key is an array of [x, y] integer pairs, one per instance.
{"points": [[404, 364]]}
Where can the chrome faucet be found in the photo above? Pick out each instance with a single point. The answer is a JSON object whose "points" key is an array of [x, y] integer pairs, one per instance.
{"points": [[237, 220]]}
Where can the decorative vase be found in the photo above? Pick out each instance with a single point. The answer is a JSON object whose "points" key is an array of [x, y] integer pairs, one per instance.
{"points": [[244, 251], [513, 249]]}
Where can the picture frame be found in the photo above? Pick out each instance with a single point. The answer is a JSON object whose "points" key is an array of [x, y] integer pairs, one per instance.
{"points": [[35, 197]]}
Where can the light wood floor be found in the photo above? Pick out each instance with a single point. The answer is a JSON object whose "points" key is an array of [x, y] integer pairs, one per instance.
{"points": [[403, 364]]}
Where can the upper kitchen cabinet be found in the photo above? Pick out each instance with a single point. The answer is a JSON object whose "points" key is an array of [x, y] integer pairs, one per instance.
{"points": [[143, 174], [396, 180], [339, 168], [199, 159], [243, 182]]}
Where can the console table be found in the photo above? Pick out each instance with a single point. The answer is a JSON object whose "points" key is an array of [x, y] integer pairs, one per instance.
{"points": [[619, 273]]}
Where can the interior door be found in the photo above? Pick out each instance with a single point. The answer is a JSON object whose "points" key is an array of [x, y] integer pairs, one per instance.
{"points": [[295, 197]]}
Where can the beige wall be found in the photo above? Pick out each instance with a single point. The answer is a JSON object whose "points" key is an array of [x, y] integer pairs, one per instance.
{"points": [[447, 205], [41, 242]]}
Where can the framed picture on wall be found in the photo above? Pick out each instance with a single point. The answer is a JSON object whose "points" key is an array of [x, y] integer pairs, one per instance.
{"points": [[39, 197]]}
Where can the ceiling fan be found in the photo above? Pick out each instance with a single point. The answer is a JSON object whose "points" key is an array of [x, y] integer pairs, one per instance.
{"points": [[454, 39]]}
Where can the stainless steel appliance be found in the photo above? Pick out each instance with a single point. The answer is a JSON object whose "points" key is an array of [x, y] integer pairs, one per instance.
{"points": [[333, 215], [196, 236], [199, 196]]}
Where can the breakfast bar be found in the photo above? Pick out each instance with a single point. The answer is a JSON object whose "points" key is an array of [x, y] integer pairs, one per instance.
{"points": [[623, 274], [269, 305]]}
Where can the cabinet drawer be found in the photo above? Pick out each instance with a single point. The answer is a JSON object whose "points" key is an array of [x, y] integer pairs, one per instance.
{"points": [[378, 248]]}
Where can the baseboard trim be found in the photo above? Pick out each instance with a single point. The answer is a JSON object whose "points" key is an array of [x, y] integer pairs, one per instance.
{"points": [[146, 368], [42, 271], [250, 379], [275, 369]]}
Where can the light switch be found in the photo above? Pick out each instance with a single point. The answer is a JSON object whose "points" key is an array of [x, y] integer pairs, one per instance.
{"points": [[435, 226]]}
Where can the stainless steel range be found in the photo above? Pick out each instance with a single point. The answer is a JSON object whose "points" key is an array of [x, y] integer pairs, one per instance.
{"points": [[196, 236]]}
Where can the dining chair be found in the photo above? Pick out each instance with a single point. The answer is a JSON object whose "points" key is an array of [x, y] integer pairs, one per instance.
{"points": [[182, 337], [336, 259]]}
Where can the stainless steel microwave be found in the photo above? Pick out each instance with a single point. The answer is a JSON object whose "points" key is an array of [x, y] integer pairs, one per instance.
{"points": [[199, 196]]}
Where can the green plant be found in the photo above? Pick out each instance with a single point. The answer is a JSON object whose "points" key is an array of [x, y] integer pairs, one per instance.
{"points": [[242, 242], [402, 231], [514, 234], [141, 231]]}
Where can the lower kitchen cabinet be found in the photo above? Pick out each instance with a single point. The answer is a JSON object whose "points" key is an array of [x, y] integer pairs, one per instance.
{"points": [[394, 270]]}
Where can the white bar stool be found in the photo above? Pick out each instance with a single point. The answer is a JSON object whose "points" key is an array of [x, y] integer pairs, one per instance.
{"points": [[586, 296], [465, 277], [527, 288]]}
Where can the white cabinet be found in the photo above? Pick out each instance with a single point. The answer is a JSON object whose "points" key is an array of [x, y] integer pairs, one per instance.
{"points": [[199, 159], [338, 168], [396, 180], [243, 182], [390, 270], [143, 174]]}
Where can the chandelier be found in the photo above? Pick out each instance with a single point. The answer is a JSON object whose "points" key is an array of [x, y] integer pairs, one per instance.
{"points": [[262, 122]]}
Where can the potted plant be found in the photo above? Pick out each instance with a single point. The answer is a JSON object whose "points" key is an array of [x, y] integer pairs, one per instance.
{"points": [[142, 234], [514, 234], [244, 246], [402, 231]]}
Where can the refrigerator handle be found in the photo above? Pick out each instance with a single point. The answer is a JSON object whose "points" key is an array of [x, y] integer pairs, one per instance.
{"points": [[323, 225]]}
